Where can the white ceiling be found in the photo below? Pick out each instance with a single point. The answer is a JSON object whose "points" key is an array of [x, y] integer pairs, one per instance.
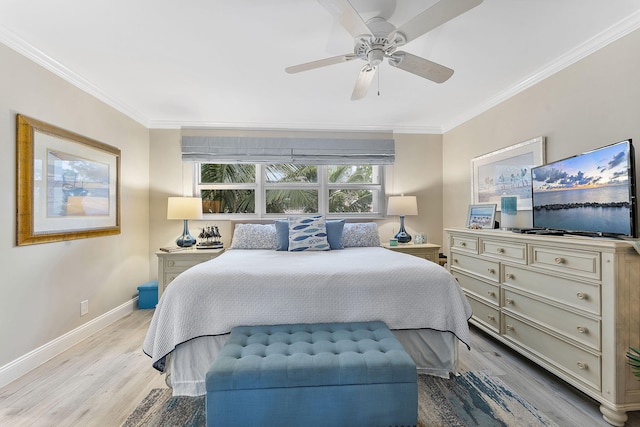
{"points": [[173, 63]]}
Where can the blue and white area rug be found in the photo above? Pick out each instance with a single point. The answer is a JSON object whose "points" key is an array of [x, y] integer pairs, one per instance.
{"points": [[472, 399]]}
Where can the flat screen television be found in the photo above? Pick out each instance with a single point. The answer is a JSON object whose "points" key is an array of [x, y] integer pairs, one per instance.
{"points": [[592, 193]]}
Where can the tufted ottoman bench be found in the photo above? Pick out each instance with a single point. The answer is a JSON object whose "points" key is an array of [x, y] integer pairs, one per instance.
{"points": [[331, 374]]}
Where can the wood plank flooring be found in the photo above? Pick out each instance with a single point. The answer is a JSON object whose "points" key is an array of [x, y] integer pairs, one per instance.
{"points": [[101, 380]]}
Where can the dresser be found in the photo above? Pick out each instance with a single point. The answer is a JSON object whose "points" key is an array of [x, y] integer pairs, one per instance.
{"points": [[428, 251], [171, 264], [570, 304]]}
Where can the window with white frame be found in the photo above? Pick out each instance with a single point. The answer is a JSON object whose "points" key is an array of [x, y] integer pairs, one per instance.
{"points": [[272, 190]]}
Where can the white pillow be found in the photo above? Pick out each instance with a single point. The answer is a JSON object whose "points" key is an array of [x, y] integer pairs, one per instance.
{"points": [[308, 234], [254, 236], [358, 234]]}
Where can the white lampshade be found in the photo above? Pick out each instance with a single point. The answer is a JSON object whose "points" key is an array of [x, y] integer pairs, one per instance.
{"points": [[402, 205], [184, 208]]}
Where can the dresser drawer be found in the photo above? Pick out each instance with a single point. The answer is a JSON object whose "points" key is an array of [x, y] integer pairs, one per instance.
{"points": [[579, 263], [579, 328], [480, 288], [466, 244], [484, 313], [578, 363], [508, 251], [582, 295], [481, 267]]}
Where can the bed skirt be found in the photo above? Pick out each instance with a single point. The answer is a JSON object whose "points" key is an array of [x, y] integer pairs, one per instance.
{"points": [[434, 352]]}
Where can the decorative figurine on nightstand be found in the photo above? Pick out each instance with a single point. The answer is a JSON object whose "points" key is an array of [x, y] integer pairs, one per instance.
{"points": [[210, 238]]}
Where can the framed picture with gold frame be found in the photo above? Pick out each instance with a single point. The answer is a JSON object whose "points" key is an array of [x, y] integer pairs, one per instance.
{"points": [[68, 185]]}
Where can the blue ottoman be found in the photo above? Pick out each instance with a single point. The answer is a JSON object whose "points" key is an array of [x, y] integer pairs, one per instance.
{"points": [[332, 374]]}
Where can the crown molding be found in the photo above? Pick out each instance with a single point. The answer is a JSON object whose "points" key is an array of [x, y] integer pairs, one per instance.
{"points": [[611, 34], [30, 52], [599, 41], [170, 124]]}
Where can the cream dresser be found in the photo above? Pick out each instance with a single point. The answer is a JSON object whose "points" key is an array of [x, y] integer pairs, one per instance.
{"points": [[170, 264], [570, 304]]}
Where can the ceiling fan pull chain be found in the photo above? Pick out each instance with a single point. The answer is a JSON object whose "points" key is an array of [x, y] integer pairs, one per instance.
{"points": [[379, 82]]}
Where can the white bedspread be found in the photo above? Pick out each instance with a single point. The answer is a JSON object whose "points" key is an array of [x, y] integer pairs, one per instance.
{"points": [[256, 287]]}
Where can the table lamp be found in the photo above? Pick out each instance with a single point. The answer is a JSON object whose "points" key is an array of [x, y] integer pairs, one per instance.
{"points": [[402, 205], [185, 208]]}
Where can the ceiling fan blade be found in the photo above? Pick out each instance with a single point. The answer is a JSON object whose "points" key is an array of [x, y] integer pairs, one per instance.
{"points": [[347, 16], [363, 82], [420, 67], [320, 63], [436, 15]]}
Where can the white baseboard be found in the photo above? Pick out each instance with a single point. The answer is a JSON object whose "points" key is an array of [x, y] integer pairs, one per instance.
{"points": [[22, 365]]}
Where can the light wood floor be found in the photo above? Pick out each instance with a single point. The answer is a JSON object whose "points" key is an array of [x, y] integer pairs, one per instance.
{"points": [[101, 380]]}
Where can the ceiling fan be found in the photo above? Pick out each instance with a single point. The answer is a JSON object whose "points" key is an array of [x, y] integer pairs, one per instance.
{"points": [[378, 39]]}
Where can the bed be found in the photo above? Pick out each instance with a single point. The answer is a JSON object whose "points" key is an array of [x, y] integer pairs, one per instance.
{"points": [[257, 282]]}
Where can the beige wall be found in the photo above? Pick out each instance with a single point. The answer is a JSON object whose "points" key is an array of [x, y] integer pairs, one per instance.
{"points": [[417, 171], [42, 285], [592, 103]]}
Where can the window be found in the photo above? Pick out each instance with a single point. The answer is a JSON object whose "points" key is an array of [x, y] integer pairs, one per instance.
{"points": [[272, 190]]}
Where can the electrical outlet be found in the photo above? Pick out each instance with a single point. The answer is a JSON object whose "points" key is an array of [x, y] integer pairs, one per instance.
{"points": [[84, 307]]}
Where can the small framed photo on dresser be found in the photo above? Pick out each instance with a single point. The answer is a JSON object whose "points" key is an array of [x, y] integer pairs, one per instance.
{"points": [[481, 216]]}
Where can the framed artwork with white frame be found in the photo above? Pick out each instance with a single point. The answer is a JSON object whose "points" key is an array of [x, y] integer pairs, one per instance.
{"points": [[506, 172]]}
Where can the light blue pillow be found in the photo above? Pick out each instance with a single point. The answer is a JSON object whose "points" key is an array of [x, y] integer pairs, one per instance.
{"points": [[282, 235], [308, 234], [334, 234]]}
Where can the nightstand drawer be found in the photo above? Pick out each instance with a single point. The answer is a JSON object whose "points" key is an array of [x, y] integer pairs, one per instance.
{"points": [[582, 295], [505, 251], [482, 289], [576, 362], [180, 264], [484, 268], [579, 328], [579, 263]]}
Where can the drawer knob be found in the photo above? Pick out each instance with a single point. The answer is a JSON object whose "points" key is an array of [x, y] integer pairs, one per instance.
{"points": [[491, 271], [491, 293], [492, 318], [455, 260], [463, 244], [580, 295], [582, 365], [510, 328], [510, 276], [582, 329], [508, 300], [500, 250], [171, 263], [559, 260]]}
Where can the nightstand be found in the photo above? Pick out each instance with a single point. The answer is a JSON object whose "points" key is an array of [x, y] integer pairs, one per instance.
{"points": [[428, 251], [170, 264]]}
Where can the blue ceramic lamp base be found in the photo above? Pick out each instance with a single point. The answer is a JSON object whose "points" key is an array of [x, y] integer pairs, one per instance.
{"points": [[186, 239], [402, 236]]}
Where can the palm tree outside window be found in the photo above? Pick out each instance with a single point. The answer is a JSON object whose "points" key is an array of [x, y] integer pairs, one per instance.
{"points": [[289, 189]]}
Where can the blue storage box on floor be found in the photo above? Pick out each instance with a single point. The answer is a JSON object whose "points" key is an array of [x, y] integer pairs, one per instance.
{"points": [[148, 294]]}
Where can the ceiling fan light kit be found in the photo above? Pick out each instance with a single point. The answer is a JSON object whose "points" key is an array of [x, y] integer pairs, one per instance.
{"points": [[378, 39]]}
